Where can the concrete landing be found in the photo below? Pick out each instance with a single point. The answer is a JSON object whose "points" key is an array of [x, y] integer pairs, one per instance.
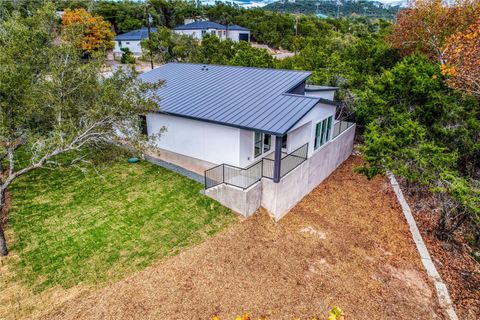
{"points": [[170, 166]]}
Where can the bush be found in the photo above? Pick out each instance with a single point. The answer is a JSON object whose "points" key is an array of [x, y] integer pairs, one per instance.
{"points": [[127, 56]]}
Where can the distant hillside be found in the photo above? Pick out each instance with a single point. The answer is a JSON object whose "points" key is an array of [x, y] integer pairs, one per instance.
{"points": [[331, 8]]}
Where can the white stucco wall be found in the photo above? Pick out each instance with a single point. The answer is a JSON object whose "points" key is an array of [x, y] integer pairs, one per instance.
{"points": [[134, 46], [297, 136], [329, 95], [197, 139], [235, 35], [197, 34]]}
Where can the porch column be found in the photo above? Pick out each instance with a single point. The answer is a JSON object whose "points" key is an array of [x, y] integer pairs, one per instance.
{"points": [[277, 159]]}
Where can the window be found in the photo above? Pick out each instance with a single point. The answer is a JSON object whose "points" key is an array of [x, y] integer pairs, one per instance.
{"points": [[284, 142], [127, 42], [262, 144], [258, 144], [203, 32], [143, 125], [120, 44], [267, 142], [322, 132]]}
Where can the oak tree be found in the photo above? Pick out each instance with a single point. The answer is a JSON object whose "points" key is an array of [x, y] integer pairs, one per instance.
{"points": [[87, 32], [52, 102], [427, 24], [462, 60]]}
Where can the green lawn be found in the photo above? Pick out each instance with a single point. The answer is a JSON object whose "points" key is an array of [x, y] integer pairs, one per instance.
{"points": [[69, 227]]}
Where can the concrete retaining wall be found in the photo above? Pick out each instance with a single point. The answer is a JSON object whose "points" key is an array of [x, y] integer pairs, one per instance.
{"points": [[245, 202], [279, 198]]}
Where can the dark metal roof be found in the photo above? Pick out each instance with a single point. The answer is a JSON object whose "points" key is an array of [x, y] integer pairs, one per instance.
{"points": [[249, 98], [237, 27], [138, 34], [204, 25]]}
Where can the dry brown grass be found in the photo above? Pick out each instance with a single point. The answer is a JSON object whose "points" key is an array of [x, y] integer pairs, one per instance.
{"points": [[346, 244]]}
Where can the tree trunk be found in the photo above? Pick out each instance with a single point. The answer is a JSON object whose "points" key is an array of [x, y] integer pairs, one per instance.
{"points": [[3, 242]]}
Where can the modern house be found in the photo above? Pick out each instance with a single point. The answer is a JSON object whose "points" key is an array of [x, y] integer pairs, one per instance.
{"points": [[260, 137], [131, 40], [198, 29]]}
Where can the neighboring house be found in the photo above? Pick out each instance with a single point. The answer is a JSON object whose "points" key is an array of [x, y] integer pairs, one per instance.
{"points": [[261, 137], [131, 40], [198, 29]]}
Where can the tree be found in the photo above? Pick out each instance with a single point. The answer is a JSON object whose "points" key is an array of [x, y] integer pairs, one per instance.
{"points": [[421, 130], [160, 45], [87, 32], [462, 60], [51, 102], [249, 56], [427, 24], [123, 15]]}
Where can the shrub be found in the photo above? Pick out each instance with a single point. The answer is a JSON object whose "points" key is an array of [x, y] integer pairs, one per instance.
{"points": [[127, 56]]}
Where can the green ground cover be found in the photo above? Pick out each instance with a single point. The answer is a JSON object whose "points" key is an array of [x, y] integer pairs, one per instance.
{"points": [[67, 226]]}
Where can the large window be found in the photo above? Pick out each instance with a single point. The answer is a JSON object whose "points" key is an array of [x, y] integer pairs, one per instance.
{"points": [[322, 132], [262, 144]]}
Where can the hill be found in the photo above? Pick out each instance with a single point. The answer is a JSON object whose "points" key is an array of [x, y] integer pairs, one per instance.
{"points": [[343, 8]]}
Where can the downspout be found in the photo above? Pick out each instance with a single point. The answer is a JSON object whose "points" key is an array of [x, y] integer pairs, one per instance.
{"points": [[277, 160]]}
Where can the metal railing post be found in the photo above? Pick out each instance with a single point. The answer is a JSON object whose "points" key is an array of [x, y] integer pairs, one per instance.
{"points": [[277, 161]]}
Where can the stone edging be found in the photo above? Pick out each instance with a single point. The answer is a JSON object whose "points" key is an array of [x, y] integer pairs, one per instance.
{"points": [[441, 288]]}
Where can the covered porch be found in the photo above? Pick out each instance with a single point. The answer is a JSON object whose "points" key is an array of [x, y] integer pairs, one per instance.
{"points": [[279, 162]]}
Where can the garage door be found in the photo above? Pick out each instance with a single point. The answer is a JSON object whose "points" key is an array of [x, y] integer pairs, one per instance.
{"points": [[243, 37]]}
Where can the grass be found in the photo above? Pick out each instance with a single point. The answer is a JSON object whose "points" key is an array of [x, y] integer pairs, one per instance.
{"points": [[68, 227]]}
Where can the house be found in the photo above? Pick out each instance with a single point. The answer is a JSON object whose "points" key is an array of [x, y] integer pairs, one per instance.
{"points": [[131, 40], [198, 29], [260, 137]]}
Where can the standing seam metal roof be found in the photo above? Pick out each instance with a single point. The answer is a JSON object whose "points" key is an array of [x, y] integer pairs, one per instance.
{"points": [[204, 25], [138, 34], [249, 98]]}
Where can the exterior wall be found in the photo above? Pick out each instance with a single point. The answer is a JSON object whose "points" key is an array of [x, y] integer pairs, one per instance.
{"points": [[296, 138], [200, 140], [299, 137], [245, 202], [247, 153], [279, 198], [134, 46], [235, 35], [326, 94], [197, 34]]}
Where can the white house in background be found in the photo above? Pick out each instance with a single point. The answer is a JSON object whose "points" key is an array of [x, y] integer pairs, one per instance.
{"points": [[261, 137], [131, 40], [198, 29]]}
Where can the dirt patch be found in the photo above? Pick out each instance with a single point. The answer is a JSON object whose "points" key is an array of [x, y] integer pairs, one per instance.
{"points": [[346, 244], [456, 266]]}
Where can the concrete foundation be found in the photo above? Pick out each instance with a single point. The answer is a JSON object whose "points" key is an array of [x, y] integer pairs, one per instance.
{"points": [[245, 202], [189, 163]]}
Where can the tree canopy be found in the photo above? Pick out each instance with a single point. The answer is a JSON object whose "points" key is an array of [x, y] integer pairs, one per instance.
{"points": [[52, 102], [87, 32]]}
